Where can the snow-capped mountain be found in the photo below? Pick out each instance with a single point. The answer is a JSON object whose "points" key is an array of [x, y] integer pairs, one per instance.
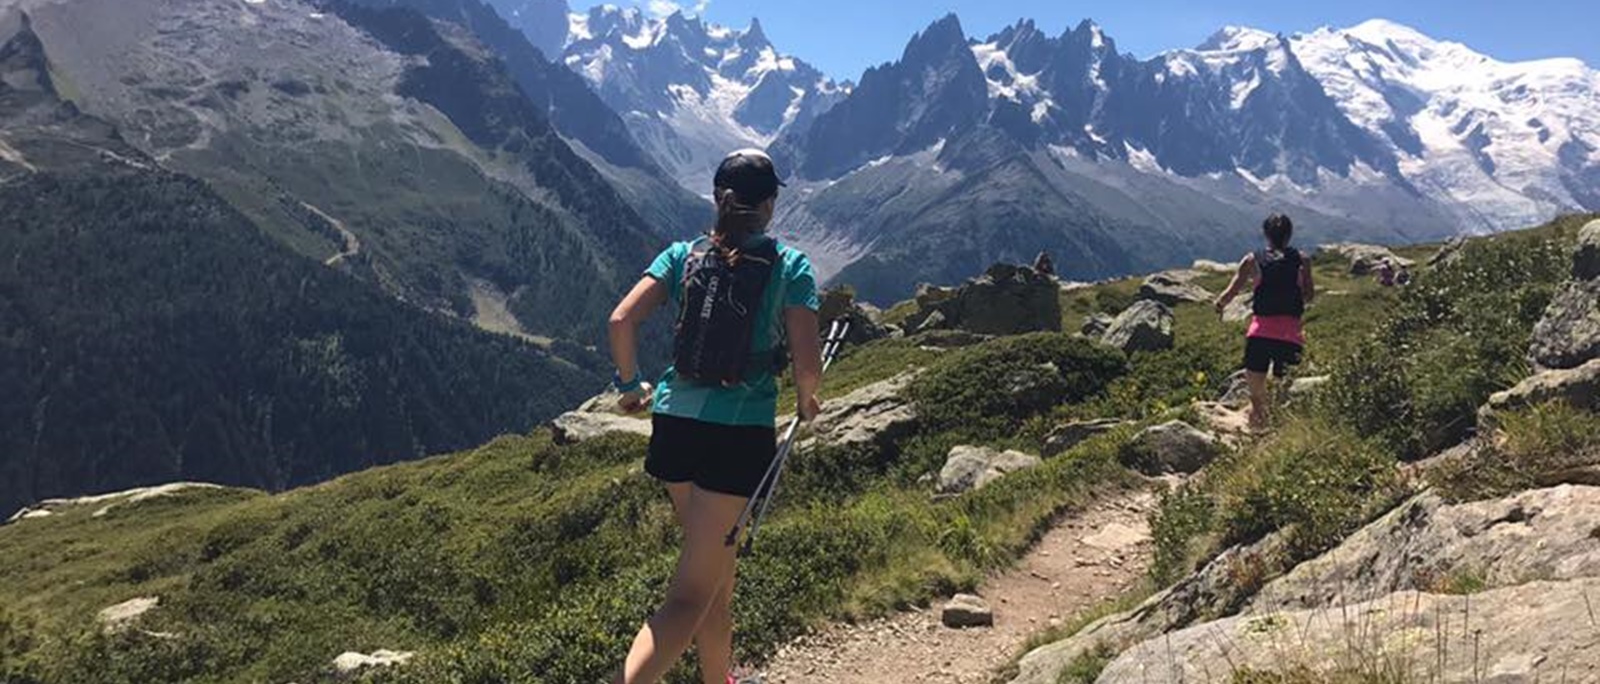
{"points": [[690, 90], [1503, 144]]}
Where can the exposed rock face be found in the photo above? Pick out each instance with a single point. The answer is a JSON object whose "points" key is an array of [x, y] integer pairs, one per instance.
{"points": [[1547, 537], [969, 468], [1007, 300], [576, 427], [876, 414], [1145, 326], [1364, 259], [125, 615], [1541, 630], [1172, 287], [1569, 333], [1173, 447], [1586, 259], [841, 304], [106, 502], [1577, 386], [966, 610], [1211, 591], [350, 662], [1068, 435]]}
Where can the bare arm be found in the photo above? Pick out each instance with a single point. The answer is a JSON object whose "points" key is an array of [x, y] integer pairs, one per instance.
{"points": [[805, 345], [647, 295], [1308, 287], [1241, 277]]}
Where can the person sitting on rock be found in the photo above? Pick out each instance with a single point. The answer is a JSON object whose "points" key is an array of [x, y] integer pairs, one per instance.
{"points": [[1283, 286]]}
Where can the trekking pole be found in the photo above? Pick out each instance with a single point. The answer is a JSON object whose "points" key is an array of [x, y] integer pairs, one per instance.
{"points": [[837, 331]]}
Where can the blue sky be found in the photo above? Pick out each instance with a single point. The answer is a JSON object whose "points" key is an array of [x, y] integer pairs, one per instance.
{"points": [[844, 37]]}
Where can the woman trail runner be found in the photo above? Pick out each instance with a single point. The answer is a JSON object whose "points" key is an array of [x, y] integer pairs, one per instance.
{"points": [[1283, 287], [743, 302]]}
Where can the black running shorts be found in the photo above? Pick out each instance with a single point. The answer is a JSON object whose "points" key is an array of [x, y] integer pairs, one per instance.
{"points": [[727, 459], [1262, 354]]}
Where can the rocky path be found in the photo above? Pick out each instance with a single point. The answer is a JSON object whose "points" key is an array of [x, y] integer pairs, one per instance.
{"points": [[1088, 558]]}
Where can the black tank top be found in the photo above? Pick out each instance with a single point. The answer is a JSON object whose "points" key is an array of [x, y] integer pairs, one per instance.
{"points": [[1278, 285]]}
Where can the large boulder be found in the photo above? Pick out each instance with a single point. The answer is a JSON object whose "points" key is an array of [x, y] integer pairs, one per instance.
{"points": [[1569, 333], [1006, 300], [1236, 390], [1586, 258], [1545, 533], [123, 616], [349, 663], [576, 427], [1364, 259], [874, 415], [1449, 252], [969, 468], [1068, 435], [1579, 387], [1172, 447], [1145, 326], [1173, 287], [1527, 633], [966, 610]]}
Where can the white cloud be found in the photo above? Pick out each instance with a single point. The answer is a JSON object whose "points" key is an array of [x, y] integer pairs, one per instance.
{"points": [[662, 8]]}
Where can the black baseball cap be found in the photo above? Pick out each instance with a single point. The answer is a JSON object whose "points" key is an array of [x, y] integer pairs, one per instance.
{"points": [[749, 173]]}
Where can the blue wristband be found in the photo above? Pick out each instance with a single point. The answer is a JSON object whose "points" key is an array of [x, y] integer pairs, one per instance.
{"points": [[625, 387]]}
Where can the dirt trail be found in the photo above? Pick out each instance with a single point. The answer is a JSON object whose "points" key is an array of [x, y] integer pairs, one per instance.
{"points": [[1088, 558], [352, 242]]}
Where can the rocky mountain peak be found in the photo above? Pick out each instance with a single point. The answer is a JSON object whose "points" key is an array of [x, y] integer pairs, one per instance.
{"points": [[23, 64], [941, 39]]}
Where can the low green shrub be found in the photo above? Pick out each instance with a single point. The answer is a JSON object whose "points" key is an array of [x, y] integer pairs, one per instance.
{"points": [[1181, 527], [991, 389]]}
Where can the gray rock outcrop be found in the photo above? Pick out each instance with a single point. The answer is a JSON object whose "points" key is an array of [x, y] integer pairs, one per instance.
{"points": [[1172, 447], [349, 663], [1586, 258], [1173, 287], [1006, 300], [576, 428], [966, 610], [1364, 259], [1068, 435], [1145, 326], [969, 468], [1527, 633], [1569, 333], [123, 616], [873, 415]]}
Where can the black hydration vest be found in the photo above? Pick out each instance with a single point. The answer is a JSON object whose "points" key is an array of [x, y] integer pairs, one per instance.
{"points": [[1278, 290], [722, 293]]}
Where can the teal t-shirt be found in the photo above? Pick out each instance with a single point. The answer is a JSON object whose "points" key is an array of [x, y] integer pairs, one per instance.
{"points": [[756, 401]]}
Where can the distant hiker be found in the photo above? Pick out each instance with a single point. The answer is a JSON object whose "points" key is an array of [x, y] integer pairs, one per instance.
{"points": [[1283, 287], [1386, 273], [1403, 277], [1043, 265], [743, 300]]}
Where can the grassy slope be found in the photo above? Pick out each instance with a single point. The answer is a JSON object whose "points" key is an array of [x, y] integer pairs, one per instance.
{"points": [[523, 561]]}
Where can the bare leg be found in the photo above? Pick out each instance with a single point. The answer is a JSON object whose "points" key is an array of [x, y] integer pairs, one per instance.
{"points": [[713, 642], [704, 566], [1259, 400]]}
